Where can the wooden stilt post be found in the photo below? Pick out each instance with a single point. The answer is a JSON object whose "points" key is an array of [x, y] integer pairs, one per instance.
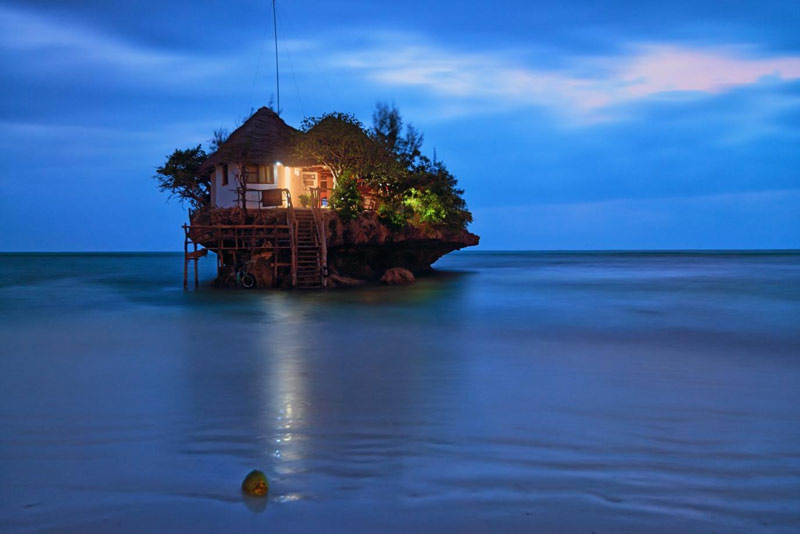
{"points": [[186, 262], [275, 255]]}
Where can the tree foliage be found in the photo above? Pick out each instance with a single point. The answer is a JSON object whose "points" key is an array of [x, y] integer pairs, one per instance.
{"points": [[432, 176], [384, 163], [346, 197], [422, 189], [426, 206], [338, 141], [387, 129], [179, 177], [219, 136]]}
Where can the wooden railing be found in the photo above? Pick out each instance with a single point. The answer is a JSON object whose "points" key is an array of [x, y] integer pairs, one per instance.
{"points": [[292, 222], [242, 192], [316, 201], [323, 245], [241, 241]]}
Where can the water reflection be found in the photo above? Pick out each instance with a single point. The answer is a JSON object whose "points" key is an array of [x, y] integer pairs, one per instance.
{"points": [[620, 393], [256, 505], [284, 356]]}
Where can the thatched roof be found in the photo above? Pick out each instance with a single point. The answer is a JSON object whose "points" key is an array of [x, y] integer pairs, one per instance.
{"points": [[263, 139]]}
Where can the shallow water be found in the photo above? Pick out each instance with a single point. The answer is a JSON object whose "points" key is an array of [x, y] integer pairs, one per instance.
{"points": [[514, 392]]}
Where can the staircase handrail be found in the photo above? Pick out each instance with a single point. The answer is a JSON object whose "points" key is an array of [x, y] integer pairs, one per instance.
{"points": [[323, 245], [292, 220]]}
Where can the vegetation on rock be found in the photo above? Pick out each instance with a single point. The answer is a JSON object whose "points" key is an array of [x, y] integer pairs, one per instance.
{"points": [[336, 140], [179, 177], [346, 198], [388, 166], [382, 166]]}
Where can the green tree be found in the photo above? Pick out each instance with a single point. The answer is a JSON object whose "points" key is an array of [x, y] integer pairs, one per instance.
{"points": [[179, 177], [433, 176], [338, 141], [422, 185], [394, 214], [387, 128], [346, 197], [426, 206]]}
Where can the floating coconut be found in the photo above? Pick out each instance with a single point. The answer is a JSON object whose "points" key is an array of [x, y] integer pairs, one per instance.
{"points": [[255, 483]]}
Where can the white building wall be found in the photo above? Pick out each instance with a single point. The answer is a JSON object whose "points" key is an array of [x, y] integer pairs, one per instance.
{"points": [[225, 196]]}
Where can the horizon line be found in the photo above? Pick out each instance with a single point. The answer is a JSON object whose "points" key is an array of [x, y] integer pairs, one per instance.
{"points": [[503, 251]]}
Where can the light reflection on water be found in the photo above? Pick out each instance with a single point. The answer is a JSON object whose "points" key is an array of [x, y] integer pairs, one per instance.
{"points": [[513, 392]]}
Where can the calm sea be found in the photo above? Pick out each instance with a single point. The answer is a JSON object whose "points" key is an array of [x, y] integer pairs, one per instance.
{"points": [[511, 392]]}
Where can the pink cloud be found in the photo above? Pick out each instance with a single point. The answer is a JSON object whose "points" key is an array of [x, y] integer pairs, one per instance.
{"points": [[656, 69], [497, 80]]}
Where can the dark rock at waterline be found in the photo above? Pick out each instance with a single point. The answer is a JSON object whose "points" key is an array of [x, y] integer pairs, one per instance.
{"points": [[397, 276], [359, 250], [365, 248], [337, 280]]}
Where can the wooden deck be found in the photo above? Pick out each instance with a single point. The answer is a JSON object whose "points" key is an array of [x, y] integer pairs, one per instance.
{"points": [[299, 245]]}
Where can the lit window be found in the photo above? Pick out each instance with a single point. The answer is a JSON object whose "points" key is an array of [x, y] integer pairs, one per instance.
{"points": [[309, 180], [266, 174]]}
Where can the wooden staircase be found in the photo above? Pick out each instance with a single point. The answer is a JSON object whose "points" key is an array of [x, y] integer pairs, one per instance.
{"points": [[310, 272]]}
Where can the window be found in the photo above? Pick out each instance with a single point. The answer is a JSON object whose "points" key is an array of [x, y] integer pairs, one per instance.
{"points": [[259, 174], [309, 180], [266, 173], [251, 174], [225, 174]]}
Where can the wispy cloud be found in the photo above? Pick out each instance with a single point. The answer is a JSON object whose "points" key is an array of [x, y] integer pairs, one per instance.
{"points": [[587, 88], [661, 68], [43, 45], [452, 82], [23, 31]]}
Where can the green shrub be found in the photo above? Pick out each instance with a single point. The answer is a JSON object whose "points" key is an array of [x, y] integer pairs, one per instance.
{"points": [[394, 215], [426, 205], [305, 200], [346, 198]]}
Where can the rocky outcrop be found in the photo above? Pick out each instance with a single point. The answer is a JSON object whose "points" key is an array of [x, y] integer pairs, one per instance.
{"points": [[337, 280], [360, 250], [397, 276], [365, 248]]}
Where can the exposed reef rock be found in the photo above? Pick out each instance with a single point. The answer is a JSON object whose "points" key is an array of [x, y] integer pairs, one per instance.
{"points": [[365, 248], [397, 276]]}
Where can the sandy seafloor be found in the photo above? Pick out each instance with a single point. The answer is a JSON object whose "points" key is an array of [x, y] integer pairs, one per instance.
{"points": [[512, 392]]}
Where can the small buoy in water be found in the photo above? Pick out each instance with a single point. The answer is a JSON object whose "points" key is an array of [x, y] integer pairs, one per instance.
{"points": [[255, 483]]}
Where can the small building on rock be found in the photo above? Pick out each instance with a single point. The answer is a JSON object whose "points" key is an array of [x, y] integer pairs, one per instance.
{"points": [[255, 165]]}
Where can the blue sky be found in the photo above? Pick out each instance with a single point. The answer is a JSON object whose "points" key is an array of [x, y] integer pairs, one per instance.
{"points": [[581, 125]]}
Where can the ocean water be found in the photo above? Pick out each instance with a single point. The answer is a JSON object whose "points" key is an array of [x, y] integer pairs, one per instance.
{"points": [[510, 392]]}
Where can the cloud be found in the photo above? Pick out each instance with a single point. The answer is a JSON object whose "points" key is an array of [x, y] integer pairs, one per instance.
{"points": [[580, 88], [37, 44], [586, 89], [664, 68], [22, 31]]}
